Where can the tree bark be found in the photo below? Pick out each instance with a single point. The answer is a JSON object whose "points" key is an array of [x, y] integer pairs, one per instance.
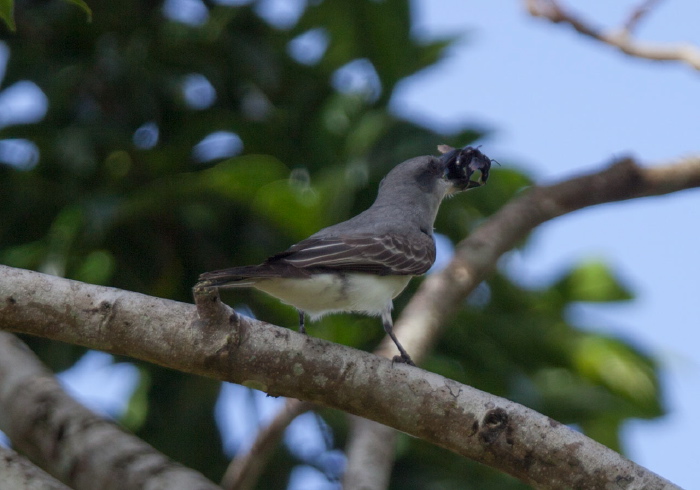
{"points": [[483, 427], [69, 441], [19, 474]]}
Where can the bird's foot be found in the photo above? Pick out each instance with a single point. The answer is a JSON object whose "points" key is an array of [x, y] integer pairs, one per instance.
{"points": [[302, 328], [404, 359]]}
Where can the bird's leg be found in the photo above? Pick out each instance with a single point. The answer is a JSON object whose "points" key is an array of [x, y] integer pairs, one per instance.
{"points": [[389, 329], [302, 328]]}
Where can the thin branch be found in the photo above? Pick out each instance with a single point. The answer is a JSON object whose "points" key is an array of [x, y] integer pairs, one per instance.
{"points": [[69, 441], [244, 470], [638, 14], [621, 38], [488, 429], [370, 454]]}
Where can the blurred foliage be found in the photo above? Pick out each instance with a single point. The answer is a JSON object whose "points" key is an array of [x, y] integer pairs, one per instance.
{"points": [[131, 189], [7, 11]]}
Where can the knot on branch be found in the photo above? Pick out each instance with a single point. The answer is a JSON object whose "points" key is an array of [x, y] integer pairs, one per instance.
{"points": [[213, 315], [495, 422]]}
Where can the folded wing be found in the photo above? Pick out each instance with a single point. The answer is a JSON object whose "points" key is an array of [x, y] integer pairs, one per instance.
{"points": [[383, 255]]}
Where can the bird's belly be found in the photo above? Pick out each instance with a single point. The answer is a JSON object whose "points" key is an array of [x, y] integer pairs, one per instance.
{"points": [[328, 293]]}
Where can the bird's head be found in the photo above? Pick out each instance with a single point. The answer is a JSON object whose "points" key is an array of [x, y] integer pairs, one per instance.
{"points": [[460, 165], [429, 179]]}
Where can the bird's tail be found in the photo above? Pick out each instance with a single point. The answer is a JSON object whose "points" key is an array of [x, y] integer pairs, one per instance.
{"points": [[236, 277], [247, 276]]}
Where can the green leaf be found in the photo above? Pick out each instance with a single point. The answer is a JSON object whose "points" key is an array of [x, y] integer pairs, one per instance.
{"points": [[377, 31], [618, 367], [137, 410], [82, 5], [7, 11], [593, 281], [96, 268], [605, 430], [7, 14], [295, 209], [299, 208], [25, 255], [235, 179]]}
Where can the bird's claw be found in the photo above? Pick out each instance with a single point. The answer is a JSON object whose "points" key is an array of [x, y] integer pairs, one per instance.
{"points": [[404, 360]]}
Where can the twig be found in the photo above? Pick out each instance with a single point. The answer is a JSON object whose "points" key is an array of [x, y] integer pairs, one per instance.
{"points": [[621, 38], [370, 455], [244, 470], [638, 14]]}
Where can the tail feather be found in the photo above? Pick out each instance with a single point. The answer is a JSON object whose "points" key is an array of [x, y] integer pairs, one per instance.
{"points": [[247, 276]]}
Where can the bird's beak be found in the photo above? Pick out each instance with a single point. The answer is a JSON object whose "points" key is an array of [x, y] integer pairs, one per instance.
{"points": [[462, 164]]}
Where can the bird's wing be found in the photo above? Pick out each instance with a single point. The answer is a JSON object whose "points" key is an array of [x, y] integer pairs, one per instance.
{"points": [[383, 255], [388, 254]]}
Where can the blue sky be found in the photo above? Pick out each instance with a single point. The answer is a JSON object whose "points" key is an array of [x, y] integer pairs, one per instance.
{"points": [[560, 105]]}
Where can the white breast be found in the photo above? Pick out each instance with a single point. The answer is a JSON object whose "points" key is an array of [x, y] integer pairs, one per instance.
{"points": [[328, 293]]}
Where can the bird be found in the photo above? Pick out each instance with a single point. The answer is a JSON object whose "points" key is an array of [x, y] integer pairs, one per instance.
{"points": [[362, 264]]}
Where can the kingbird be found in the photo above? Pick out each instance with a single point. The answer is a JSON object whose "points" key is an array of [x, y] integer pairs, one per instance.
{"points": [[362, 264]]}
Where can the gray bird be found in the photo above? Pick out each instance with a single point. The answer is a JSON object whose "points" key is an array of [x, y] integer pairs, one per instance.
{"points": [[362, 264]]}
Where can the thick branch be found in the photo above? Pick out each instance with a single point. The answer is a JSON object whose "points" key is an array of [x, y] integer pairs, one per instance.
{"points": [[477, 425], [71, 442], [17, 472], [620, 39]]}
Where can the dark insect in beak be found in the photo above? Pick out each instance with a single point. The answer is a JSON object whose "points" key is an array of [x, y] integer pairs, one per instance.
{"points": [[461, 164]]}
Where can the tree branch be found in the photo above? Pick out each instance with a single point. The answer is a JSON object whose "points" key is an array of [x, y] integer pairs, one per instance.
{"points": [[475, 257], [420, 323], [71, 442], [621, 38], [244, 470], [370, 454], [18, 472], [488, 429], [638, 14]]}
